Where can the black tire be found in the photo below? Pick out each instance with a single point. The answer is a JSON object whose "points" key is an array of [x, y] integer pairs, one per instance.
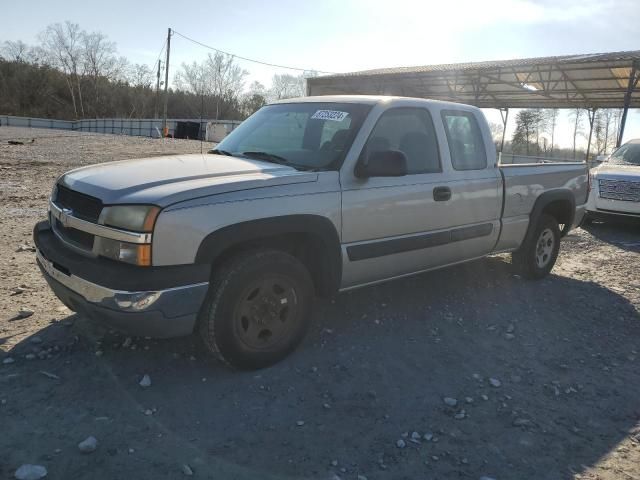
{"points": [[538, 255], [257, 309]]}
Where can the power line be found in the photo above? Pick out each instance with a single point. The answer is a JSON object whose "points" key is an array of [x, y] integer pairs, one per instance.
{"points": [[164, 45], [250, 59]]}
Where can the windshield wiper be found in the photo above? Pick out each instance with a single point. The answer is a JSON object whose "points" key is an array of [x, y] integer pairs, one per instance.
{"points": [[269, 157], [273, 158], [220, 152]]}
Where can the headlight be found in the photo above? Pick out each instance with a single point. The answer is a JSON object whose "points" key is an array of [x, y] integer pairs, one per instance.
{"points": [[137, 218]]}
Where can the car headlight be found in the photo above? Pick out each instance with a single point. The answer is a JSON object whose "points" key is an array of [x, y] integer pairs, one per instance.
{"points": [[136, 218]]}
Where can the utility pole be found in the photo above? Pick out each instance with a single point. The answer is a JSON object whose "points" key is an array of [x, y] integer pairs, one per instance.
{"points": [[155, 114], [165, 130]]}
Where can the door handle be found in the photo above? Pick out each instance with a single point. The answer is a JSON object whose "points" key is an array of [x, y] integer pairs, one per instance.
{"points": [[441, 194]]}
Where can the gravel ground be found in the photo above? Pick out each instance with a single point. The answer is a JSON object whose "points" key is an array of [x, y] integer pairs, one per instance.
{"points": [[541, 379]]}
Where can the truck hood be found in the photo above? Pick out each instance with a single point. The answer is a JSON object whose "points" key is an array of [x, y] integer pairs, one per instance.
{"points": [[171, 179], [617, 172]]}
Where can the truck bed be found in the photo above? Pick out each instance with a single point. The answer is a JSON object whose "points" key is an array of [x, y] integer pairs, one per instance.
{"points": [[524, 183]]}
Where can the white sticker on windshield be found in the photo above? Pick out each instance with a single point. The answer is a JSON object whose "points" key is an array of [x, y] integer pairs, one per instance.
{"points": [[333, 115]]}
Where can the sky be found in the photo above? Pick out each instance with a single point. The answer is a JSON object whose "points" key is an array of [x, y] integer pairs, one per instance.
{"points": [[347, 35]]}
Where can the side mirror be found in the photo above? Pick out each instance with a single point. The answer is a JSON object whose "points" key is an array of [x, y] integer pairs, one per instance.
{"points": [[383, 163]]}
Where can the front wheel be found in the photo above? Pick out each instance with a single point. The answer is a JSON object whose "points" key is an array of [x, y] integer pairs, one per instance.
{"points": [[536, 257], [257, 309]]}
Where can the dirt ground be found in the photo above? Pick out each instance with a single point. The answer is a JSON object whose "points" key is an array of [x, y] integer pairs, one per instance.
{"points": [[546, 374]]}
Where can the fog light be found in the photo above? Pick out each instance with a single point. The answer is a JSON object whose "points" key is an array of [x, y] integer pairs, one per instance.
{"points": [[138, 301]]}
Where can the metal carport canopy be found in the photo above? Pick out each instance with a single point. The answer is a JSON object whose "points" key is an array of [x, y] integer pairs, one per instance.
{"points": [[598, 80]]}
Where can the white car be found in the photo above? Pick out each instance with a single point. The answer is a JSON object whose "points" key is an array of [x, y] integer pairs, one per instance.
{"points": [[615, 184]]}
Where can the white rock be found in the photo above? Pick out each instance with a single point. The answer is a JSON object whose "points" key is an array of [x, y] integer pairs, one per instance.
{"points": [[148, 412], [452, 402], [415, 436], [8, 360], [495, 382], [146, 381], [25, 312], [187, 470], [35, 339], [428, 437], [521, 422], [88, 445], [30, 472], [127, 342], [401, 443], [300, 423], [30, 356]]}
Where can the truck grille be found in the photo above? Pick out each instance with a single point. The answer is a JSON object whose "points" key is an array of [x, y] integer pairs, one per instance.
{"points": [[83, 206], [79, 238], [622, 190]]}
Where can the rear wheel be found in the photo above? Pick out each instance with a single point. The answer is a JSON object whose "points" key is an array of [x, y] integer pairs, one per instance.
{"points": [[257, 309], [538, 255]]}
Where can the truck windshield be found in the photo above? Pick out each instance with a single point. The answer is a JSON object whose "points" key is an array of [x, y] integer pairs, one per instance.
{"points": [[628, 154], [306, 136]]}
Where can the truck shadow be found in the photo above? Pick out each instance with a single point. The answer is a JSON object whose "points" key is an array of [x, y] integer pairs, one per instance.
{"points": [[544, 373]]}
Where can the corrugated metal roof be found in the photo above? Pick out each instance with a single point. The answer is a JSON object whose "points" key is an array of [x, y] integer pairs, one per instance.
{"points": [[589, 80]]}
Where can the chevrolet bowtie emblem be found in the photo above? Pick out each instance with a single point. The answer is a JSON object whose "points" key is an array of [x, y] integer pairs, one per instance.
{"points": [[65, 213]]}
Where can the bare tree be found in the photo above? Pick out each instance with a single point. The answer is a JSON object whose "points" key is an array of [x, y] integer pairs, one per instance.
{"points": [[286, 85], [551, 121], [192, 79], [217, 75], [17, 51], [496, 133], [63, 44], [577, 115], [99, 63], [140, 75]]}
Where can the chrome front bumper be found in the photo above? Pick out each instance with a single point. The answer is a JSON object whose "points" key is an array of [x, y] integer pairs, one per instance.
{"points": [[171, 302]]}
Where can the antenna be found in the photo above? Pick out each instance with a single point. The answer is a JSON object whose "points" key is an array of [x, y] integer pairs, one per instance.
{"points": [[202, 134]]}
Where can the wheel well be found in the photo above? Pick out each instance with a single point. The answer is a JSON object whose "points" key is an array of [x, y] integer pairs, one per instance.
{"points": [[562, 211], [308, 248]]}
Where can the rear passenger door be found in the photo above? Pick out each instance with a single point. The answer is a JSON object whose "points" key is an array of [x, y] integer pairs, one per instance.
{"points": [[432, 216]]}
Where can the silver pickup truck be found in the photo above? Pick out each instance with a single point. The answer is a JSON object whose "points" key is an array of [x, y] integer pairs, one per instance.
{"points": [[307, 197]]}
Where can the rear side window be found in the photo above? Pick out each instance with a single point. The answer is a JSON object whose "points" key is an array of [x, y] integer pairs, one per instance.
{"points": [[409, 130], [465, 140]]}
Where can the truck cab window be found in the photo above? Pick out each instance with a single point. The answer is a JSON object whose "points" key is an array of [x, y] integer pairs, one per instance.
{"points": [[465, 141], [409, 130]]}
